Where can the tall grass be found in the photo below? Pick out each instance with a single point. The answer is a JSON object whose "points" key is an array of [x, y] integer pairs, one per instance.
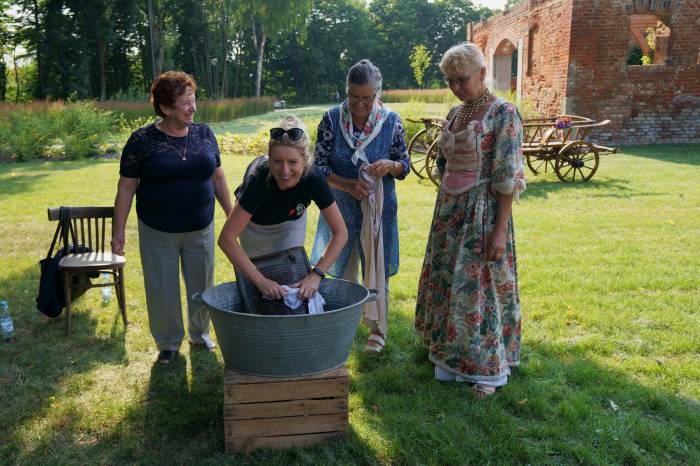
{"points": [[526, 107], [435, 96], [208, 111], [53, 129]]}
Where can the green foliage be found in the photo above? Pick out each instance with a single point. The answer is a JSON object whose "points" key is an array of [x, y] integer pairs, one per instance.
{"points": [[26, 134], [635, 55], [81, 49], [83, 128], [72, 131], [420, 61], [440, 95], [208, 111], [650, 38]]}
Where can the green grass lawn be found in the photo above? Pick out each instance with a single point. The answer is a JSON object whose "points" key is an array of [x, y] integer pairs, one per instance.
{"points": [[610, 289]]}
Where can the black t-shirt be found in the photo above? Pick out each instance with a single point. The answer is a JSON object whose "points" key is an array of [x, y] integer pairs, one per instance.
{"points": [[260, 195], [175, 192]]}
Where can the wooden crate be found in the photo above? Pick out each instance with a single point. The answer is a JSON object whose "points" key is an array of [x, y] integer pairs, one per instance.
{"points": [[270, 412]]}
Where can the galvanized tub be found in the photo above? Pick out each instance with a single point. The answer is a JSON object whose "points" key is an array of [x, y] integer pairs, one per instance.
{"points": [[287, 345]]}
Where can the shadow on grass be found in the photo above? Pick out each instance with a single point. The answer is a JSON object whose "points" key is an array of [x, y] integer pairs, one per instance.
{"points": [[560, 406], [688, 154], [24, 177], [43, 364], [541, 187]]}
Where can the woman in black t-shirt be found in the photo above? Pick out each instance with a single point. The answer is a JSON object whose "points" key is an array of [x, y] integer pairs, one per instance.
{"points": [[270, 214]]}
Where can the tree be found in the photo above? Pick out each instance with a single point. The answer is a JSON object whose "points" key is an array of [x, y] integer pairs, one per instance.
{"points": [[298, 68], [511, 3], [269, 18], [4, 41], [420, 61]]}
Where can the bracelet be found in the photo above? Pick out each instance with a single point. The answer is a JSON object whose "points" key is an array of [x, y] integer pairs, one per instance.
{"points": [[319, 272]]}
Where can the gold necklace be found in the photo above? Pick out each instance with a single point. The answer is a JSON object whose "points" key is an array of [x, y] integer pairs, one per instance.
{"points": [[468, 109]]}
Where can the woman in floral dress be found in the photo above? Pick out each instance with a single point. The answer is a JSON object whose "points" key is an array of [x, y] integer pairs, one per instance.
{"points": [[468, 306]]}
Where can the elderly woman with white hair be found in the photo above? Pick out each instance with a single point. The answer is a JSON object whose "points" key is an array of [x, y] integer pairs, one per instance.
{"points": [[270, 212], [468, 304], [361, 148]]}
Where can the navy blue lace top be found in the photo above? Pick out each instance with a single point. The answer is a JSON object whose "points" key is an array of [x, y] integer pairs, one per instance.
{"points": [[175, 192]]}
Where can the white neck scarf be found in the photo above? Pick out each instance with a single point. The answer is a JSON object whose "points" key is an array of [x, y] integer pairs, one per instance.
{"points": [[374, 123]]}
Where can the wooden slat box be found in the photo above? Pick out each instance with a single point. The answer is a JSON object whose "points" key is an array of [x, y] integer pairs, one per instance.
{"points": [[271, 412]]}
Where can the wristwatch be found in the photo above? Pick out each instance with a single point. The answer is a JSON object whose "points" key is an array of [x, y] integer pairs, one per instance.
{"points": [[319, 272]]}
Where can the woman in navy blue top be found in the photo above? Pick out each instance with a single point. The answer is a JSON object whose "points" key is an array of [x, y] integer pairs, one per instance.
{"points": [[173, 167]]}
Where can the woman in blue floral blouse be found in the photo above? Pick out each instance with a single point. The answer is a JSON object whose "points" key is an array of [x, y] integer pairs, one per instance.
{"points": [[468, 305], [358, 141]]}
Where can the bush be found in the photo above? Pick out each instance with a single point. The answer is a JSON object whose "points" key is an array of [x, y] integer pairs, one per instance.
{"points": [[83, 128], [243, 144], [54, 129], [27, 134]]}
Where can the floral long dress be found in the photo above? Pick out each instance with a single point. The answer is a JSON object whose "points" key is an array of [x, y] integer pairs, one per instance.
{"points": [[468, 308]]}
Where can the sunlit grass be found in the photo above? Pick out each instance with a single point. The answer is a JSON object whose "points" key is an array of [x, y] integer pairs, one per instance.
{"points": [[611, 357]]}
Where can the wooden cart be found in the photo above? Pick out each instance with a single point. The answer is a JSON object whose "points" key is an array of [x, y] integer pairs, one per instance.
{"points": [[555, 144], [423, 149], [559, 144]]}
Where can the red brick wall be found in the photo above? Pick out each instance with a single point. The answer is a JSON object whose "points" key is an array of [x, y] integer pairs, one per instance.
{"points": [[579, 65], [544, 70], [639, 100]]}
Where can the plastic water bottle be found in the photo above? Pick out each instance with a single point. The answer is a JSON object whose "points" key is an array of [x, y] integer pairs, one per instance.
{"points": [[106, 290], [6, 327]]}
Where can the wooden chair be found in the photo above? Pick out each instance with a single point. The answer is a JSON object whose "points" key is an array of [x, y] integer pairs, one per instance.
{"points": [[90, 229]]}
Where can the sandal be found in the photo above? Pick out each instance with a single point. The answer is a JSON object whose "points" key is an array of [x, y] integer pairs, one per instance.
{"points": [[375, 344], [482, 391], [166, 356]]}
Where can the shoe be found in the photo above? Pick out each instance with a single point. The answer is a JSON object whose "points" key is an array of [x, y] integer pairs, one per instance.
{"points": [[482, 391], [210, 346], [375, 344], [166, 356]]}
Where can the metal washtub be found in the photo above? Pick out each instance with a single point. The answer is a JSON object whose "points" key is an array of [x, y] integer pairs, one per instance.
{"points": [[287, 345]]}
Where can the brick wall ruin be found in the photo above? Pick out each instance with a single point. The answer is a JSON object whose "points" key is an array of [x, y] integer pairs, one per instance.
{"points": [[572, 55]]}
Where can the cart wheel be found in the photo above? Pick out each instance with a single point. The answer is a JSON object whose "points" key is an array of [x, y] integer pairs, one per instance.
{"points": [[431, 164], [539, 164], [418, 150], [577, 161]]}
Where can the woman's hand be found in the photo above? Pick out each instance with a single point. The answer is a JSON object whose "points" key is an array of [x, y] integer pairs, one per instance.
{"points": [[118, 241], [270, 289], [358, 189], [384, 167], [308, 285], [495, 245]]}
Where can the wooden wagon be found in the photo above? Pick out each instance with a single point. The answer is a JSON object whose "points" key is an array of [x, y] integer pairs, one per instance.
{"points": [[559, 144], [555, 144]]}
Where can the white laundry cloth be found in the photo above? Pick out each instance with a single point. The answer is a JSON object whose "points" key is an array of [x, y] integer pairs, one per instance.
{"points": [[293, 301]]}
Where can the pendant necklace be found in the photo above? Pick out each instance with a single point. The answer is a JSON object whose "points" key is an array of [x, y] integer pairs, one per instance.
{"points": [[468, 109], [183, 154]]}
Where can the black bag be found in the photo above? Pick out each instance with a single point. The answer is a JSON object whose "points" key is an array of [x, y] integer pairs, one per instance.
{"points": [[51, 299]]}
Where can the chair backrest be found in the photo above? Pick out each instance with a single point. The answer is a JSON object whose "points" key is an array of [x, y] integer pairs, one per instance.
{"points": [[89, 225]]}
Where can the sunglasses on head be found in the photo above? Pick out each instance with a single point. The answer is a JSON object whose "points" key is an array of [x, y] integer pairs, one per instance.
{"points": [[294, 133]]}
